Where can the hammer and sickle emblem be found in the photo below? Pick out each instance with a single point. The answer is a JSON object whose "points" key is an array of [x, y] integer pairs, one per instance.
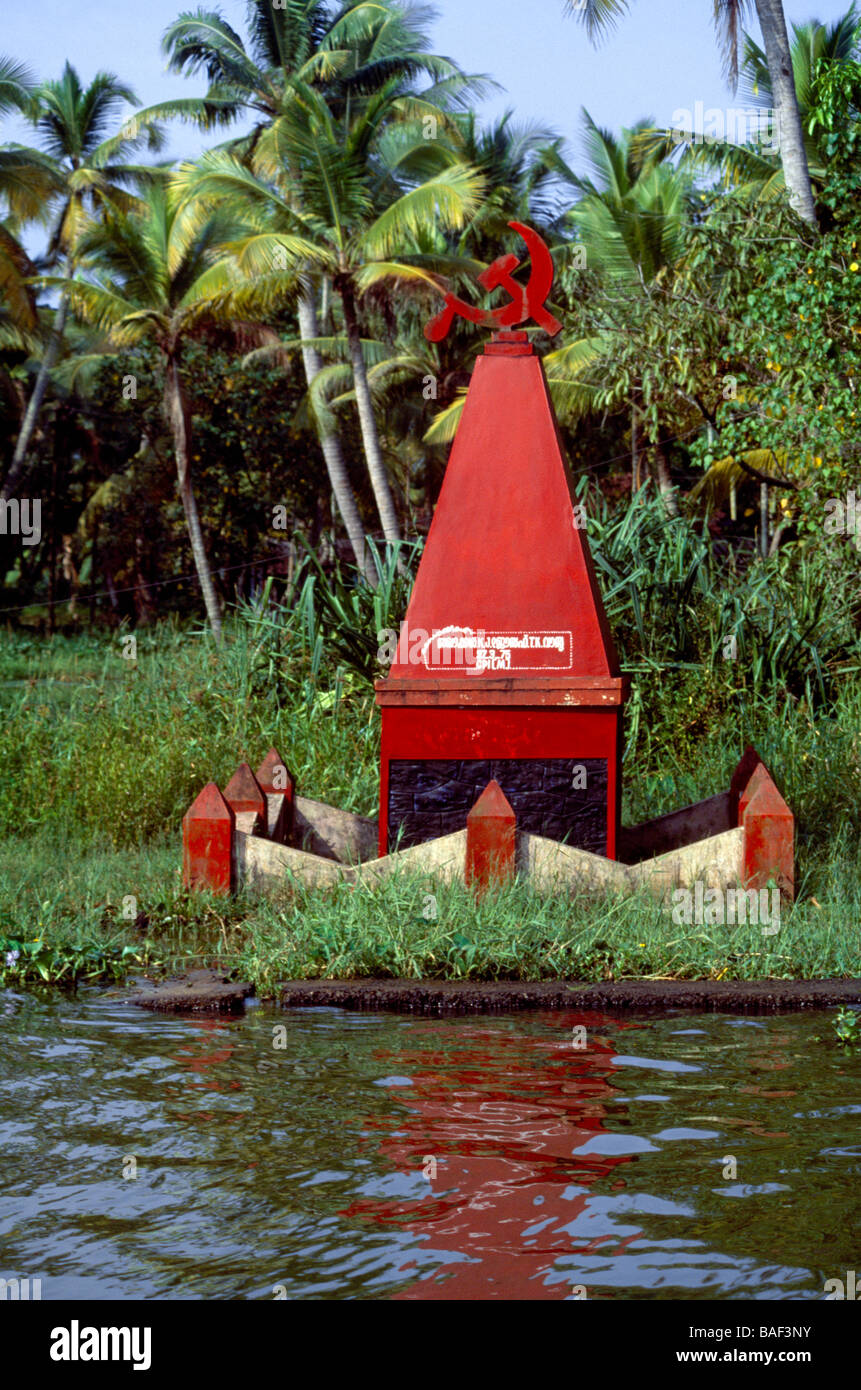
{"points": [[527, 301]]}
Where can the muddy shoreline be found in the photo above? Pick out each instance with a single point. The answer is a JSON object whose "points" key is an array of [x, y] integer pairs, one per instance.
{"points": [[454, 997], [205, 991]]}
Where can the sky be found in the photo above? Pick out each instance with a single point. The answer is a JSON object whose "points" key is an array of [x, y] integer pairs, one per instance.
{"points": [[662, 57]]}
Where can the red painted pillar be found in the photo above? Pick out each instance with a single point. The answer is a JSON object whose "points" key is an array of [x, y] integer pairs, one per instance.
{"points": [[490, 839], [207, 842], [769, 827], [274, 778], [243, 792]]}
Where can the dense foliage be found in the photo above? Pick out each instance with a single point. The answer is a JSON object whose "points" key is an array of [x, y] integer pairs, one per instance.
{"points": [[275, 367]]}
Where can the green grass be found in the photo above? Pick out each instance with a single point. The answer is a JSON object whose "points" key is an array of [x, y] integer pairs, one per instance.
{"points": [[80, 905], [101, 758], [118, 754]]}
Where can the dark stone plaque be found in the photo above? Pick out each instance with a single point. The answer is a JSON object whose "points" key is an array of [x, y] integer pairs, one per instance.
{"points": [[431, 797]]}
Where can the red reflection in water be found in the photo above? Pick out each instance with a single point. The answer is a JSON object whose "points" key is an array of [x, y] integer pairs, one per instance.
{"points": [[501, 1117], [201, 1054]]}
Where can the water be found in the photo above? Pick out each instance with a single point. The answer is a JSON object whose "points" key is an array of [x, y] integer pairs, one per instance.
{"points": [[383, 1156]]}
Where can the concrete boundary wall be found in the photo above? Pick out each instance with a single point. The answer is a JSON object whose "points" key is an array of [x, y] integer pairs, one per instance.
{"points": [[253, 836]]}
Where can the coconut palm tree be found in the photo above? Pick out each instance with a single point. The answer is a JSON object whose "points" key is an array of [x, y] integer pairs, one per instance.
{"points": [[518, 161], [753, 167], [631, 219], [80, 167], [27, 183], [347, 109], [28, 179], [159, 273], [345, 51], [518, 164], [634, 205], [599, 15], [357, 244], [812, 44]]}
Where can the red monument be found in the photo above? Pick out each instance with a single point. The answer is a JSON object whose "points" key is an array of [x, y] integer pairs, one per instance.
{"points": [[505, 669], [502, 710]]}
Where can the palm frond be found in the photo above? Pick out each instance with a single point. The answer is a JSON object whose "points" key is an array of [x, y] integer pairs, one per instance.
{"points": [[203, 41], [728, 16], [375, 272], [443, 427], [16, 84], [448, 199], [599, 16]]}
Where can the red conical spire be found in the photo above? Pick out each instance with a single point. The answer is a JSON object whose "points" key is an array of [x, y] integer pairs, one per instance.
{"points": [[507, 555]]}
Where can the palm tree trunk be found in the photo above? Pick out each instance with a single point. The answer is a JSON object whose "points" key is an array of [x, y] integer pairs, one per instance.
{"points": [[367, 422], [330, 444], [34, 405], [176, 413], [793, 156]]}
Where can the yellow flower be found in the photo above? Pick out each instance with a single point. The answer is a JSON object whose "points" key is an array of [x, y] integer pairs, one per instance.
{"points": [[818, 461], [854, 265]]}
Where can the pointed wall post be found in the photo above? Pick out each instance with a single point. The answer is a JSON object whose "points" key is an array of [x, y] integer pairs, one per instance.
{"points": [[490, 839], [747, 765], [207, 842], [245, 798], [276, 783], [243, 792], [769, 827]]}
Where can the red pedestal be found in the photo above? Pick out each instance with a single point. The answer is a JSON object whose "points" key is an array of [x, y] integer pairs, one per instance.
{"points": [[505, 669]]}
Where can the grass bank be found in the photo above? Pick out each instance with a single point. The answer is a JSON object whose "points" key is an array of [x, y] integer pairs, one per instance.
{"points": [[102, 755], [96, 914]]}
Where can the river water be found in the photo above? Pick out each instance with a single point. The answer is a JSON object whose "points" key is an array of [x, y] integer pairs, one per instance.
{"points": [[321, 1153]]}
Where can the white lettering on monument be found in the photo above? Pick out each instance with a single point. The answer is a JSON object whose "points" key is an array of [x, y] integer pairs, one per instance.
{"points": [[480, 651]]}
